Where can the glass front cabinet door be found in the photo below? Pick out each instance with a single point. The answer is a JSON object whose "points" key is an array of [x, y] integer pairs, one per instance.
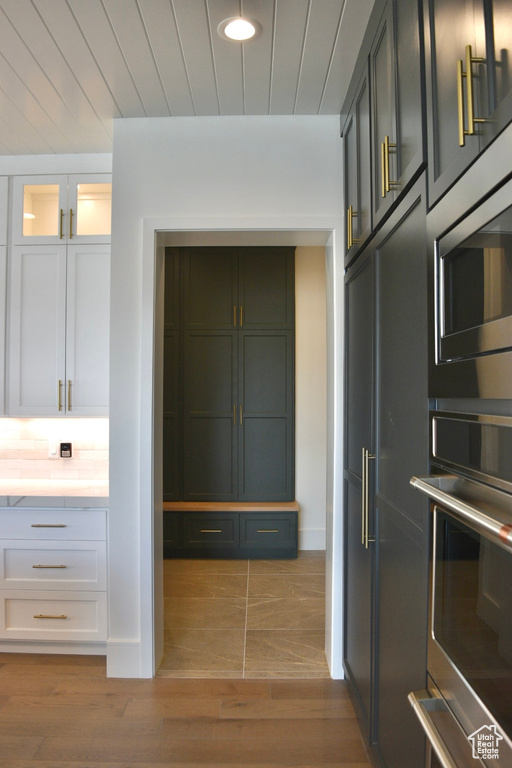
{"points": [[48, 210]]}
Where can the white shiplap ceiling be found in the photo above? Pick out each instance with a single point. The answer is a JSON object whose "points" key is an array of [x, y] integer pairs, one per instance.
{"points": [[69, 67]]}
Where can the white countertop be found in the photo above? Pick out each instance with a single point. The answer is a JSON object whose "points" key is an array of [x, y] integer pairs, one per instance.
{"points": [[54, 493]]}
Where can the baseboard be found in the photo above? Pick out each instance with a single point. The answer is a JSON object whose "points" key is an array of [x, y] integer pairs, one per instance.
{"points": [[124, 659]]}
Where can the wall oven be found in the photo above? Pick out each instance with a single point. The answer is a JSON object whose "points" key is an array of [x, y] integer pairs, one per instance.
{"points": [[473, 303], [466, 710]]}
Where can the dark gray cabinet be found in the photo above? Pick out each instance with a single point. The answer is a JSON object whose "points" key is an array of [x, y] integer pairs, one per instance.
{"points": [[229, 425], [386, 526], [469, 83], [382, 119]]}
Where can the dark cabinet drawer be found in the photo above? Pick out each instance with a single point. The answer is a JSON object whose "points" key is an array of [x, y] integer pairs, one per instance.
{"points": [[268, 531], [210, 530]]}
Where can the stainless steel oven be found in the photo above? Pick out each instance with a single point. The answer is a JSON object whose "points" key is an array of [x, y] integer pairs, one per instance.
{"points": [[467, 708], [473, 303]]}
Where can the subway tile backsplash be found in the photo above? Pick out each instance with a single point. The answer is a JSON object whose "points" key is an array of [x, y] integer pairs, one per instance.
{"points": [[25, 445]]}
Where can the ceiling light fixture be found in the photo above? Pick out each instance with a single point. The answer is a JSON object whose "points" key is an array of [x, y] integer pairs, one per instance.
{"points": [[238, 29]]}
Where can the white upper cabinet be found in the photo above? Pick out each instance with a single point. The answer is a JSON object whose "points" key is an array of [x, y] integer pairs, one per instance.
{"points": [[59, 330], [48, 210]]}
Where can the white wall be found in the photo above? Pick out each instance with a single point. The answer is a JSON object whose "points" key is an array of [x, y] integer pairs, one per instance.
{"points": [[310, 395], [224, 175]]}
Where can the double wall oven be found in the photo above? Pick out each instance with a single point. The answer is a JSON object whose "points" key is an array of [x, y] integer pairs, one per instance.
{"points": [[466, 710]]}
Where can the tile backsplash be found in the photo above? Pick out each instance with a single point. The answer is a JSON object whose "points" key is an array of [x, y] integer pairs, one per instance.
{"points": [[25, 446]]}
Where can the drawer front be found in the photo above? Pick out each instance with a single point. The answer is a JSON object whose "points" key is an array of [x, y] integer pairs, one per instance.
{"points": [[56, 524], [269, 531], [53, 565], [210, 530], [28, 615]]}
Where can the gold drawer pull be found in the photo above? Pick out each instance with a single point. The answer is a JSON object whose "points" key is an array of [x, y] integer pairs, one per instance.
{"points": [[48, 616], [268, 530], [211, 530], [48, 525], [49, 566]]}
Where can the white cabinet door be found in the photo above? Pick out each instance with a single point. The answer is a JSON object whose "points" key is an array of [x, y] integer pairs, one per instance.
{"points": [[37, 331], [3, 310], [87, 338]]}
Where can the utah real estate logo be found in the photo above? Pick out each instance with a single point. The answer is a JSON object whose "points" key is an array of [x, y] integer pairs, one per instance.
{"points": [[485, 742]]}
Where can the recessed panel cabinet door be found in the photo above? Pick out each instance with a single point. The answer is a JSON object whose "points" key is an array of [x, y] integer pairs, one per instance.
{"points": [[210, 415], [266, 288], [266, 456], [209, 287], [37, 331]]}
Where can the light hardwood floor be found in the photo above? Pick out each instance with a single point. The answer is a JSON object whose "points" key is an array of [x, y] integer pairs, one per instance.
{"points": [[62, 712], [245, 618]]}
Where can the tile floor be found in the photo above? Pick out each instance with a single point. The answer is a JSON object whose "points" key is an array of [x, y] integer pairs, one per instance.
{"points": [[245, 619]]}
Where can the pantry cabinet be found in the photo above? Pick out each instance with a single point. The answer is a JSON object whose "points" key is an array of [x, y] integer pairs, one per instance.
{"points": [[59, 330], [468, 83], [229, 374], [386, 443], [52, 210]]}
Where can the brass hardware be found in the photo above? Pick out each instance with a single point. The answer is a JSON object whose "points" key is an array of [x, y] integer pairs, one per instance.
{"points": [[241, 316], [70, 223], [388, 184], [49, 566], [268, 530], [234, 316], [211, 530], [365, 498], [468, 74], [60, 395], [351, 240], [48, 525], [61, 229], [49, 616], [69, 394], [382, 170]]}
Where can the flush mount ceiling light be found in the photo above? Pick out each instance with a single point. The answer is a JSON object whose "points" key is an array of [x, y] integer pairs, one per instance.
{"points": [[238, 29]]}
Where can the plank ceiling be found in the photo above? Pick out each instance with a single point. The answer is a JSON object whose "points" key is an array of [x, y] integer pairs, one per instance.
{"points": [[69, 67]]}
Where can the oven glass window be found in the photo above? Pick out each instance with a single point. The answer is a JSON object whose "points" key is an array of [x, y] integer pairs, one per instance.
{"points": [[473, 612], [477, 277]]}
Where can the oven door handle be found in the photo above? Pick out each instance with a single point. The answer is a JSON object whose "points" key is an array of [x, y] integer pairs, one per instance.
{"points": [[492, 528], [422, 705]]}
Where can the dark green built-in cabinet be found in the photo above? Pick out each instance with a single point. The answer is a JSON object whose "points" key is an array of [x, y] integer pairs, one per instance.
{"points": [[229, 374]]}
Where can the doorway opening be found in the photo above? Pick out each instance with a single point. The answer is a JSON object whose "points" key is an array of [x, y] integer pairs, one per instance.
{"points": [[306, 238]]}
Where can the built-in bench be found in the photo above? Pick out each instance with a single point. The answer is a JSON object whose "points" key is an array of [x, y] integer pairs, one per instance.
{"points": [[230, 529]]}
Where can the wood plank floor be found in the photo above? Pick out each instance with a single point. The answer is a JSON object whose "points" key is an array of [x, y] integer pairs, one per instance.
{"points": [[62, 712]]}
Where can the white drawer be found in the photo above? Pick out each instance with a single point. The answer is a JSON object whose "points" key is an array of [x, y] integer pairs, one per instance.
{"points": [[79, 565], [56, 524], [28, 615]]}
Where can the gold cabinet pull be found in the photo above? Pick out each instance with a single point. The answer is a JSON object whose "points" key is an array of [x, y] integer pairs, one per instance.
{"points": [[210, 530], [351, 240], [268, 530], [70, 223], [48, 525], [49, 616], [468, 74], [61, 228], [365, 498], [387, 184], [59, 394], [69, 394], [49, 566]]}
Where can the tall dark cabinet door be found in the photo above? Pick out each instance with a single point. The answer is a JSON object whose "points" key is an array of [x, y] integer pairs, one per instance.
{"points": [[210, 404], [266, 456], [171, 404], [209, 290], [359, 559], [266, 288]]}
